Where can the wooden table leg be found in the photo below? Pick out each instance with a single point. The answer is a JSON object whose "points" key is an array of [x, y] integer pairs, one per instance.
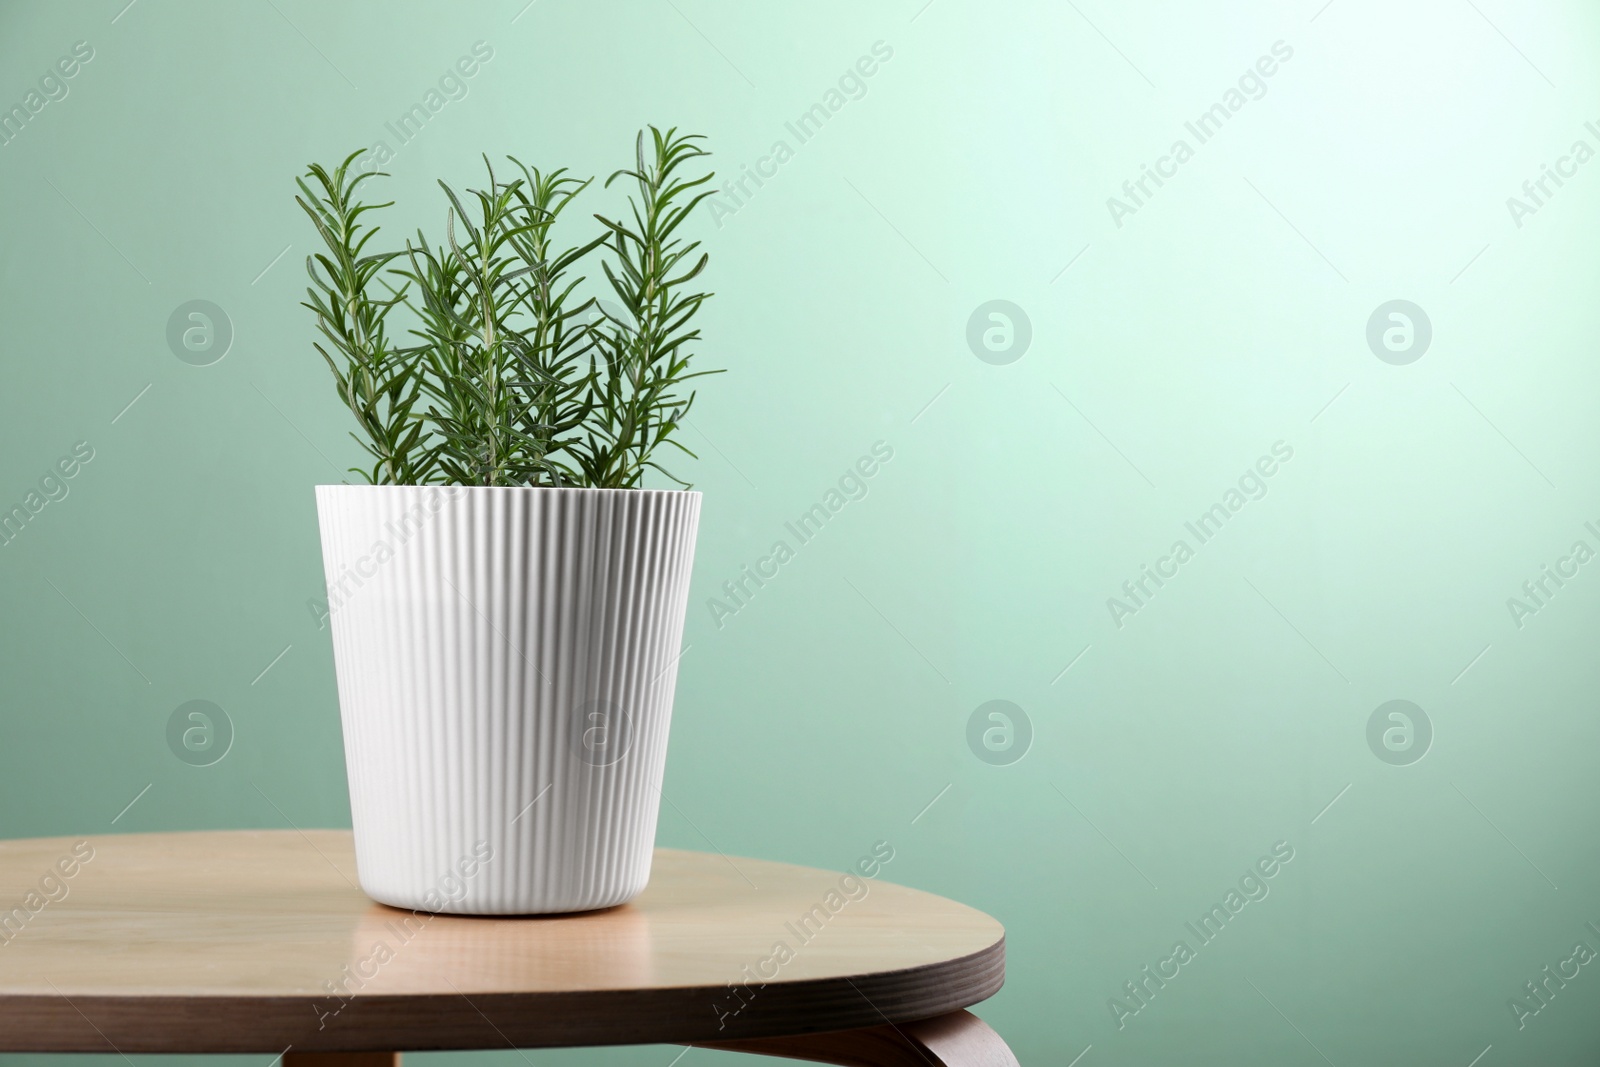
{"points": [[341, 1059], [959, 1039]]}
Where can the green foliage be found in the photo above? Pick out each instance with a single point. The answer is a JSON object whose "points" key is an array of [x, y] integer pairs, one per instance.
{"points": [[376, 379], [511, 376], [646, 359]]}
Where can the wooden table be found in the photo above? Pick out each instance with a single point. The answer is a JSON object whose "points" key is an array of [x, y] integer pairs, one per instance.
{"points": [[261, 942]]}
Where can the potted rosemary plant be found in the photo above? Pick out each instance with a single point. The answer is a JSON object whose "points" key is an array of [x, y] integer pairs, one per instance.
{"points": [[506, 596]]}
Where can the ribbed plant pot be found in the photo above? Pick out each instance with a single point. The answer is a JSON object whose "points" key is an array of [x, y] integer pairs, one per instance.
{"points": [[506, 659]]}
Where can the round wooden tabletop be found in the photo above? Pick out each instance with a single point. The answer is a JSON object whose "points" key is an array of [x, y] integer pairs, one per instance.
{"points": [[255, 941]]}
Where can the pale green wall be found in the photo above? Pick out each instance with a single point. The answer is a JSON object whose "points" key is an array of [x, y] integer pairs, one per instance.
{"points": [[1220, 318]]}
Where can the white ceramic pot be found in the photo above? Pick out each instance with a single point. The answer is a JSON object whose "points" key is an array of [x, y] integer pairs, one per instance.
{"points": [[506, 659]]}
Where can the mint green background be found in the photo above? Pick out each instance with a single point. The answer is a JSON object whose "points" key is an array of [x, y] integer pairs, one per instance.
{"points": [[1176, 349]]}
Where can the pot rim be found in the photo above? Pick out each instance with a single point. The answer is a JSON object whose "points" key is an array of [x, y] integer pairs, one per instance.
{"points": [[451, 487]]}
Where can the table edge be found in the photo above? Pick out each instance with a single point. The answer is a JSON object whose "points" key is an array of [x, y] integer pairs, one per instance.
{"points": [[234, 1022], [226, 1024]]}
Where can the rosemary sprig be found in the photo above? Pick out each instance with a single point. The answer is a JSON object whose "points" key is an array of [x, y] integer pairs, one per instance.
{"points": [[512, 378], [639, 404], [377, 380]]}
